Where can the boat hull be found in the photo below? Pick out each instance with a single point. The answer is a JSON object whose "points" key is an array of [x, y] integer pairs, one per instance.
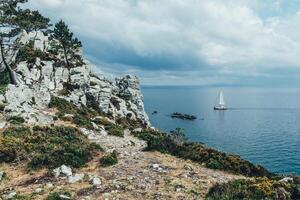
{"points": [[220, 108]]}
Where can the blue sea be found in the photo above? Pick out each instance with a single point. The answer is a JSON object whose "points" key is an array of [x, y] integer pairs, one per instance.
{"points": [[262, 125]]}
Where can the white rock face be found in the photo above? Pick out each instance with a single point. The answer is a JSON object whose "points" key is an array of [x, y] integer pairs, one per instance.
{"points": [[38, 82]]}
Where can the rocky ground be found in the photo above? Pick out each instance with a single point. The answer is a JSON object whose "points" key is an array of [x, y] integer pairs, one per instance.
{"points": [[138, 175]]}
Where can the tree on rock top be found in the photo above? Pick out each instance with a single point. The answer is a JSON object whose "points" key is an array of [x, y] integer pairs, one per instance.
{"points": [[65, 42], [13, 20]]}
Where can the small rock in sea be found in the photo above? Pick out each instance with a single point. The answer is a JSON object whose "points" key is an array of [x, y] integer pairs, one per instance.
{"points": [[10, 196], [75, 178], [154, 112], [2, 174], [183, 116]]}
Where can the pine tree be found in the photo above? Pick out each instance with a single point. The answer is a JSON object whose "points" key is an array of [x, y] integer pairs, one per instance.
{"points": [[13, 20], [66, 42]]}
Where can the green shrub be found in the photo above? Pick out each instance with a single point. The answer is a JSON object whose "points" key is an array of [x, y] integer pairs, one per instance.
{"points": [[62, 105], [109, 160], [115, 130], [175, 144], [3, 89], [258, 188], [82, 116], [46, 146], [4, 79], [59, 195], [16, 120], [2, 107]]}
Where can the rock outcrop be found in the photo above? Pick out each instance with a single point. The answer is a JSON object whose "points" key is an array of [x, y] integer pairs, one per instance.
{"points": [[37, 82]]}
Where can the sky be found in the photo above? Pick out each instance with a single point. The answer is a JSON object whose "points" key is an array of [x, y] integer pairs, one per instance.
{"points": [[187, 42]]}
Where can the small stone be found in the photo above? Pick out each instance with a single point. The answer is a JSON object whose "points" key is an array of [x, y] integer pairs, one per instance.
{"points": [[75, 178], [66, 170], [2, 125], [38, 190], [155, 166], [64, 196], [10, 195], [56, 172], [96, 181], [106, 196], [49, 185]]}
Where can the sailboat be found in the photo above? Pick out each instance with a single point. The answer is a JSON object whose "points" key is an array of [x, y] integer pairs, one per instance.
{"points": [[220, 105]]}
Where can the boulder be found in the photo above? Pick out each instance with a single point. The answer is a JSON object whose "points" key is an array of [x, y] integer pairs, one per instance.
{"points": [[65, 170], [75, 178]]}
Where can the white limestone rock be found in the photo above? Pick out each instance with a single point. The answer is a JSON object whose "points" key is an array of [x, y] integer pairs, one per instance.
{"points": [[65, 170], [75, 178]]}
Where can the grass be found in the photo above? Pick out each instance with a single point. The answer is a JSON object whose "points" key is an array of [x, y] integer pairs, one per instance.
{"points": [[46, 146], [109, 160], [176, 144], [258, 188]]}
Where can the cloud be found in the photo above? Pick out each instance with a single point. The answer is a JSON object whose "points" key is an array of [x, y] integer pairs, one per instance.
{"points": [[176, 36]]}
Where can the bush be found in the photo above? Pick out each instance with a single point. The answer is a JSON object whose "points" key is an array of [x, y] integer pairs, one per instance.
{"points": [[82, 116], [176, 144], [59, 195], [46, 147], [62, 105], [109, 160], [115, 130], [258, 188], [2, 107], [2, 89], [16, 120]]}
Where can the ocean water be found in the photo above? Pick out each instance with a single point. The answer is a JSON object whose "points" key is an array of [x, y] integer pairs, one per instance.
{"points": [[262, 125]]}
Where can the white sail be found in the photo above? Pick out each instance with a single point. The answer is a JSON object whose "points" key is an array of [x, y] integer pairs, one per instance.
{"points": [[221, 99]]}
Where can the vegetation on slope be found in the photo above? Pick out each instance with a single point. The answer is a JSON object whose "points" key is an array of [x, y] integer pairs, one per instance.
{"points": [[83, 116], [258, 188], [109, 159], [46, 146], [177, 145]]}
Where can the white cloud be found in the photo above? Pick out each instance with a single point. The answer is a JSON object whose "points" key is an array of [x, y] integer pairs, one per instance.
{"points": [[224, 34]]}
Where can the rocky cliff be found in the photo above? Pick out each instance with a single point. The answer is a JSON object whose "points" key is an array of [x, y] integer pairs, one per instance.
{"points": [[47, 77]]}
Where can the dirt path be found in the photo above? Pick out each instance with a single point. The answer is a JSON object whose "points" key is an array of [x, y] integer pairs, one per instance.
{"points": [[138, 175]]}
